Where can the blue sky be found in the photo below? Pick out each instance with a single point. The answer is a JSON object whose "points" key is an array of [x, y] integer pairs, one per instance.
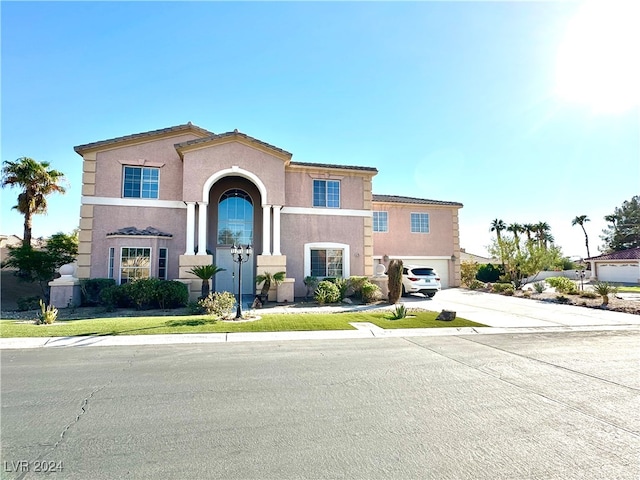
{"points": [[516, 109]]}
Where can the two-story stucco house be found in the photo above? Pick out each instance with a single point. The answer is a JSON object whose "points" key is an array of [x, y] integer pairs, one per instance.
{"points": [[161, 202]]}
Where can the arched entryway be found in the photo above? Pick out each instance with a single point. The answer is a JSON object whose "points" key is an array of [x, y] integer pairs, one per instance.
{"points": [[234, 216]]}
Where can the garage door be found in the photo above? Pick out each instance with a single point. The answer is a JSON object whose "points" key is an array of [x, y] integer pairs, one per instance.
{"points": [[621, 272], [440, 266]]}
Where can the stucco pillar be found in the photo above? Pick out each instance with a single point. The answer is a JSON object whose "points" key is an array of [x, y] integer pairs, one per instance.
{"points": [[276, 229], [266, 230], [191, 226], [202, 228]]}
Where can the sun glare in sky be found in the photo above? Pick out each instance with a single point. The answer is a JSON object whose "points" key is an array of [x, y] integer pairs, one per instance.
{"points": [[598, 62]]}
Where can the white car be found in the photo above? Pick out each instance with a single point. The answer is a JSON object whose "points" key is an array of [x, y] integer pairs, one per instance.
{"points": [[418, 279]]}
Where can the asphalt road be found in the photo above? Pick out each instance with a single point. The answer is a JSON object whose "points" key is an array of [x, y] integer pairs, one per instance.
{"points": [[522, 406]]}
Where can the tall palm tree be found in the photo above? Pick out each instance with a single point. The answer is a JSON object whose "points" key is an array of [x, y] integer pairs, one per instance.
{"points": [[528, 229], [37, 181], [543, 234], [516, 228], [498, 226], [581, 220]]}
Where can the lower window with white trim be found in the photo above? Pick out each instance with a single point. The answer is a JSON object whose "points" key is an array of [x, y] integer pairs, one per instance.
{"points": [[326, 263], [134, 263]]}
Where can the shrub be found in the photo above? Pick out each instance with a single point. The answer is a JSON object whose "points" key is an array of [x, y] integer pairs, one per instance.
{"points": [[395, 280], [143, 292], [588, 294], [539, 287], [399, 312], [327, 292], [562, 299], [91, 288], [48, 314], [218, 304], [171, 294], [113, 297], [475, 285], [355, 286], [194, 308], [563, 285], [311, 283], [488, 273], [343, 286], [468, 272], [604, 289], [28, 303], [503, 288], [370, 292]]}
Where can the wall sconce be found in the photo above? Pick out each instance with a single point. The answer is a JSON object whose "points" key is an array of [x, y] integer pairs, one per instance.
{"points": [[453, 257], [385, 258]]}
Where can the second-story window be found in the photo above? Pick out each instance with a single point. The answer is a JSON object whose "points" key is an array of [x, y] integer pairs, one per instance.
{"points": [[380, 222], [419, 223], [141, 182], [326, 193]]}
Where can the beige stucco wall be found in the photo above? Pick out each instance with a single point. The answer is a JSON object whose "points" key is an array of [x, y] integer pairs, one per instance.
{"points": [[299, 187], [201, 164]]}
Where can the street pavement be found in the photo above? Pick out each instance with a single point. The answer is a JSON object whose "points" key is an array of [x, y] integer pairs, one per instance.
{"points": [[541, 405], [501, 313]]}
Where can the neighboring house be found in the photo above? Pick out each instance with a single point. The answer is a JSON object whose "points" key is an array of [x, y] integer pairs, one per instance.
{"points": [[159, 203], [619, 267], [472, 257]]}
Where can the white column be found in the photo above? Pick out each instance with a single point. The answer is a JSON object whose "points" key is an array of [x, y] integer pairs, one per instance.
{"points": [[266, 230], [276, 229], [191, 227], [202, 228]]}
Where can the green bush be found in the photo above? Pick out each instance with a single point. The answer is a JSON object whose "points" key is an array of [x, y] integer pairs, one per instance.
{"points": [[563, 285], [503, 288], [370, 292], [113, 297], [475, 285], [218, 304], [28, 303], [171, 294], [355, 286], [488, 273], [327, 292], [468, 272], [588, 294], [539, 287], [194, 308], [143, 292], [91, 288], [343, 286]]}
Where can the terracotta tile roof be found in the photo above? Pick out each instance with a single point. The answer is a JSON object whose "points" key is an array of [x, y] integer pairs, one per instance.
{"points": [[420, 201], [112, 141], [630, 254], [236, 134], [329, 165], [149, 232]]}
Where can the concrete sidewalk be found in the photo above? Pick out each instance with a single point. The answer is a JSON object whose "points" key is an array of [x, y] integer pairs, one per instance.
{"points": [[501, 314]]}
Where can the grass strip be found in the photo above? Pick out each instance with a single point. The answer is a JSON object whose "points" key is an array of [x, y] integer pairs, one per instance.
{"points": [[205, 324]]}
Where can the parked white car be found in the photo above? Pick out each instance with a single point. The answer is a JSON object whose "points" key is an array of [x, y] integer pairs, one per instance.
{"points": [[419, 279]]}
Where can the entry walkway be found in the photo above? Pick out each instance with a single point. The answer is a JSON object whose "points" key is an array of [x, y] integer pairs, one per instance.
{"points": [[501, 314]]}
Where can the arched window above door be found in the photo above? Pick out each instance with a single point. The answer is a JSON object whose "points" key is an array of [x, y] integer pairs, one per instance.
{"points": [[235, 218]]}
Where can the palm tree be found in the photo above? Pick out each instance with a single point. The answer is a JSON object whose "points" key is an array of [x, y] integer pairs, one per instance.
{"points": [[204, 273], [498, 226], [581, 220], [543, 234], [516, 228], [528, 228], [269, 278], [37, 181]]}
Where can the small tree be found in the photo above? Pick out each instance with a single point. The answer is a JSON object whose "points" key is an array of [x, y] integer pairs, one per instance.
{"points": [[604, 289], [468, 272], [395, 280], [267, 279], [205, 273]]}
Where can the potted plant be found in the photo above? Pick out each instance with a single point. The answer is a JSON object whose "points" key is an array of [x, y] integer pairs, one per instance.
{"points": [[267, 279], [205, 273]]}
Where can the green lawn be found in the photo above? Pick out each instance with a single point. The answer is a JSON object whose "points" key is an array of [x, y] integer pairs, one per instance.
{"points": [[629, 289], [204, 324]]}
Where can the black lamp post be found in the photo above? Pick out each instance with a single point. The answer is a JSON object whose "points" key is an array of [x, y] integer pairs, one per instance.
{"points": [[580, 274], [240, 255]]}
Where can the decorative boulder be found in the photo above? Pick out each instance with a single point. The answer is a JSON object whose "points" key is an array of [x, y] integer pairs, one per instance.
{"points": [[446, 315]]}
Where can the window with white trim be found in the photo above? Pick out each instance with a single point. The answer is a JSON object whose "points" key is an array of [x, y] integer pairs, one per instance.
{"points": [[134, 263], [162, 263], [380, 222], [419, 223], [140, 182], [326, 263], [112, 255], [326, 193]]}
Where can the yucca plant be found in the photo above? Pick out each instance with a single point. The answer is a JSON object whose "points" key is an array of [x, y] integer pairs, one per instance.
{"points": [[604, 289], [205, 273], [267, 279], [48, 314], [399, 313]]}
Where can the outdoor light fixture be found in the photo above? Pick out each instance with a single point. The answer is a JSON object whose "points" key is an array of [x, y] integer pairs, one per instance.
{"points": [[240, 255]]}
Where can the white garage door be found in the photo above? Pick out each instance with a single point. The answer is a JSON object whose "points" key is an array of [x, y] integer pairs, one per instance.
{"points": [[621, 272], [440, 266]]}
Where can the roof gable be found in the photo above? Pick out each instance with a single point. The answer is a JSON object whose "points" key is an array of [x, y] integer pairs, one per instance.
{"points": [[142, 137], [235, 136]]}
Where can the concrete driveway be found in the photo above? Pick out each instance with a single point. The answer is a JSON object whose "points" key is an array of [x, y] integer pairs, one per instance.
{"points": [[502, 311]]}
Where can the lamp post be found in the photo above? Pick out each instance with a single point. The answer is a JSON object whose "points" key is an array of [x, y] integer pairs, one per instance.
{"points": [[240, 255], [580, 274]]}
